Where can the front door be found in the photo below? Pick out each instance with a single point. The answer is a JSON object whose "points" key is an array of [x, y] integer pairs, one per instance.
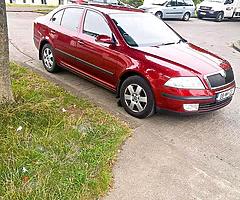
{"points": [[172, 10], [229, 8], [99, 59], [66, 39]]}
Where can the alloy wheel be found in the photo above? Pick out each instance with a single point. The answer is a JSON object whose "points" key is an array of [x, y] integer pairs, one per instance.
{"points": [[135, 98], [48, 58]]}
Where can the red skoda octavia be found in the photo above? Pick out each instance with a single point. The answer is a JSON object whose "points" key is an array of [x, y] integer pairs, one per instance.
{"points": [[134, 54]]}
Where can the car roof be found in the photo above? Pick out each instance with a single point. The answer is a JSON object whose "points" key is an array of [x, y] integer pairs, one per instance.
{"points": [[106, 9]]}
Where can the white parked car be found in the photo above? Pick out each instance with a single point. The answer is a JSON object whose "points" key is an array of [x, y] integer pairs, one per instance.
{"points": [[178, 9], [219, 9]]}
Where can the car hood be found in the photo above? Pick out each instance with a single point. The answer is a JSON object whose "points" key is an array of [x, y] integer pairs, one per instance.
{"points": [[211, 4], [184, 56]]}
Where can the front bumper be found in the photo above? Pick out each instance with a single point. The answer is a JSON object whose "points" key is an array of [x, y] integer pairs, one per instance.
{"points": [[173, 100], [207, 13]]}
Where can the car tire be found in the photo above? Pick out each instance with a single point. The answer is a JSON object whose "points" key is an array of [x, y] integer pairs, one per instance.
{"points": [[186, 16], [199, 16], [137, 98], [219, 17], [48, 59], [159, 14]]}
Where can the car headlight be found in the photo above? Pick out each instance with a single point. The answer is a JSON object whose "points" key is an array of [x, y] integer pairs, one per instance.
{"points": [[185, 83]]}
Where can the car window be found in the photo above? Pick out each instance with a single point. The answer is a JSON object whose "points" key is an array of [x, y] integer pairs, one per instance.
{"points": [[57, 17], [188, 2], [172, 3], [71, 18], [180, 3], [95, 25], [137, 30]]}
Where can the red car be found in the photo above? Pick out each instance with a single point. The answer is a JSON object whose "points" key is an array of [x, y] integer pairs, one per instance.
{"points": [[134, 54]]}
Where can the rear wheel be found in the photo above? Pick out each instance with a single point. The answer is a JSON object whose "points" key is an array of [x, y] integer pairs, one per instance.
{"points": [[48, 59], [137, 98], [186, 16], [219, 17], [159, 14]]}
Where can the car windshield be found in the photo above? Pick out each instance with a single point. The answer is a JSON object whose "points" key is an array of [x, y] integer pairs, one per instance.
{"points": [[144, 29]]}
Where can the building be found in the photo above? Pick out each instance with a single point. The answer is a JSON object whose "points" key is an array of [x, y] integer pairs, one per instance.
{"points": [[39, 2], [58, 2]]}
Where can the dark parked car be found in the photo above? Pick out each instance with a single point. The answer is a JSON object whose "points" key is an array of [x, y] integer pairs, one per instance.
{"points": [[137, 56]]}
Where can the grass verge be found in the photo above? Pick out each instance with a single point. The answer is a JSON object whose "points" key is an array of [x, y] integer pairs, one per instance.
{"points": [[30, 6], [54, 145]]}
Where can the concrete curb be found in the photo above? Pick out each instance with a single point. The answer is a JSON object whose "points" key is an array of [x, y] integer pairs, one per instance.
{"points": [[236, 45]]}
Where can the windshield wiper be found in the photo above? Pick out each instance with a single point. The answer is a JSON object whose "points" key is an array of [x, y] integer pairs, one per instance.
{"points": [[164, 44], [181, 40]]}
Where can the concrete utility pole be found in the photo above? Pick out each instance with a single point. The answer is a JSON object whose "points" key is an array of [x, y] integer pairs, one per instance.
{"points": [[6, 95]]}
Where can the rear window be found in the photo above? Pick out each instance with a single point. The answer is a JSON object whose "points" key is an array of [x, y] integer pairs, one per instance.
{"points": [[188, 2], [71, 18]]}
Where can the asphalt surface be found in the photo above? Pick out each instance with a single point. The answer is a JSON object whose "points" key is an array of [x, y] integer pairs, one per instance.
{"points": [[168, 156]]}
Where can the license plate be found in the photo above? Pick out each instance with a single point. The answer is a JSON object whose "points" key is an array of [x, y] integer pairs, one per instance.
{"points": [[224, 95], [202, 13]]}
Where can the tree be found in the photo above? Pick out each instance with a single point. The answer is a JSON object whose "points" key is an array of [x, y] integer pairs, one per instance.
{"points": [[134, 3], [6, 95]]}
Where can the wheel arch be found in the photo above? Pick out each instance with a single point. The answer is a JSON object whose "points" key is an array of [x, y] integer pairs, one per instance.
{"points": [[128, 74], [42, 43]]}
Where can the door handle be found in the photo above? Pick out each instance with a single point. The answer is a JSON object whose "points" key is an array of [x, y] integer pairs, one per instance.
{"points": [[81, 42], [53, 32], [174, 8]]}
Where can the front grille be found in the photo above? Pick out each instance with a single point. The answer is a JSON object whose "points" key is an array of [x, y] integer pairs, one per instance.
{"points": [[214, 106], [205, 8], [217, 80]]}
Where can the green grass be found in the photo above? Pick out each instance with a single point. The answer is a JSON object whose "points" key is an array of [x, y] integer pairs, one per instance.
{"points": [[42, 11], [31, 6], [56, 155]]}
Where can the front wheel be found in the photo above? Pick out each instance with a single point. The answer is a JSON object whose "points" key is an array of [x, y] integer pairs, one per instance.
{"points": [[199, 16], [219, 17], [137, 98]]}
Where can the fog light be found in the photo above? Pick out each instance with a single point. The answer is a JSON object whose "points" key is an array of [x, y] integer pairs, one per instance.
{"points": [[191, 107]]}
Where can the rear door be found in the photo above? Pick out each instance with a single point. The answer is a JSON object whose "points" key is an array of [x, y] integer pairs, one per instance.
{"points": [[67, 38]]}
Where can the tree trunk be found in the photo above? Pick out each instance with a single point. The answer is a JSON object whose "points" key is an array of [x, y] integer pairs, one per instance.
{"points": [[6, 95]]}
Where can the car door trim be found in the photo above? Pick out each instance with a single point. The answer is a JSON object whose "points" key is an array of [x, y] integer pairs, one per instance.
{"points": [[85, 62]]}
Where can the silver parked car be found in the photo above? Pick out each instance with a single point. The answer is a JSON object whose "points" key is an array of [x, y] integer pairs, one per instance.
{"points": [[171, 9]]}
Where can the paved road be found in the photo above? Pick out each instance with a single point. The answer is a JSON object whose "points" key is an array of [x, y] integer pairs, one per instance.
{"points": [[168, 156]]}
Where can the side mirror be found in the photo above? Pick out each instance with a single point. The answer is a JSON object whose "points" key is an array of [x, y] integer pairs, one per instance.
{"points": [[169, 5], [104, 39]]}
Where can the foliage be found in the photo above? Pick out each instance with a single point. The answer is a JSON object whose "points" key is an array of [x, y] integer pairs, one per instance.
{"points": [[134, 3], [54, 145]]}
